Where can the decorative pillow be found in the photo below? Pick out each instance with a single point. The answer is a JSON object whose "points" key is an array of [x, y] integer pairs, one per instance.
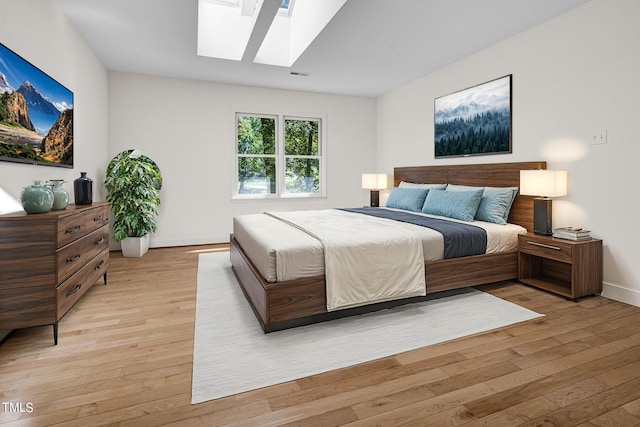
{"points": [[405, 184], [411, 199], [495, 204], [461, 205]]}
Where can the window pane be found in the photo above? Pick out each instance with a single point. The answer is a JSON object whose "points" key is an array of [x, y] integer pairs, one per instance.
{"points": [[256, 175], [301, 137], [256, 135], [303, 175]]}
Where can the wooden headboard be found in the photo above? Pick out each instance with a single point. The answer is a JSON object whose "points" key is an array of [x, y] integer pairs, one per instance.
{"points": [[482, 175]]}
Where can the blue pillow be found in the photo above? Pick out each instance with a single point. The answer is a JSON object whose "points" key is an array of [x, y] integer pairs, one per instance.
{"points": [[495, 204], [411, 199], [461, 205]]}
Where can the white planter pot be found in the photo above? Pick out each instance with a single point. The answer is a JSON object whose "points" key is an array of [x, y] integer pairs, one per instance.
{"points": [[135, 247]]}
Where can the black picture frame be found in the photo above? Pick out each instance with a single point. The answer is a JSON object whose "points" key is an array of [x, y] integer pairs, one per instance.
{"points": [[474, 121], [36, 119]]}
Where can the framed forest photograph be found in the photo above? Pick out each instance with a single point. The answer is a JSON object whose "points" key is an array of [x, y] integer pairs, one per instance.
{"points": [[36, 114], [474, 121]]}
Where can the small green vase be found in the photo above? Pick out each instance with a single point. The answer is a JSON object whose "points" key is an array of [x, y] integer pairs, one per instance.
{"points": [[60, 195], [36, 198]]}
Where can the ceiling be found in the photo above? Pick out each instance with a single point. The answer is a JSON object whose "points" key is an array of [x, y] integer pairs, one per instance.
{"points": [[367, 49]]}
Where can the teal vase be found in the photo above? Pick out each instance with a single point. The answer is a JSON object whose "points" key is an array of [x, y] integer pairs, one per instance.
{"points": [[60, 195], [36, 198]]}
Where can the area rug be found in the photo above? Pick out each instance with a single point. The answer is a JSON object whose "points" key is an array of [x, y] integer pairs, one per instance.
{"points": [[232, 354]]}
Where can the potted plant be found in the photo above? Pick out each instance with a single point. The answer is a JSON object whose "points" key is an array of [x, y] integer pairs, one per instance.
{"points": [[133, 183]]}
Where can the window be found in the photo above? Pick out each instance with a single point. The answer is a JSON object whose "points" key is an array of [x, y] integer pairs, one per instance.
{"points": [[278, 156]]}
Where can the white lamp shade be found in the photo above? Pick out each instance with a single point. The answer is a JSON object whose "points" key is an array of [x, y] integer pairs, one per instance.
{"points": [[543, 183], [374, 181]]}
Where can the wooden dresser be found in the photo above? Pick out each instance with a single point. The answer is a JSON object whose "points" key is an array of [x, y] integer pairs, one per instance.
{"points": [[48, 261]]}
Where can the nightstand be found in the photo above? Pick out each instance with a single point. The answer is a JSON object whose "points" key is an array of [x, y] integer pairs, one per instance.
{"points": [[569, 268]]}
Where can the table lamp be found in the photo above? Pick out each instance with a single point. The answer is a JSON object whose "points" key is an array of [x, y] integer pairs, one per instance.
{"points": [[543, 184], [374, 182]]}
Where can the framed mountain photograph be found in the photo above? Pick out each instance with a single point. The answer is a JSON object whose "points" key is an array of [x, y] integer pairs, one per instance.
{"points": [[36, 114], [474, 121]]}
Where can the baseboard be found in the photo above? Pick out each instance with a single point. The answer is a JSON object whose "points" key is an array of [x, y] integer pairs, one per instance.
{"points": [[115, 246], [208, 240], [620, 293]]}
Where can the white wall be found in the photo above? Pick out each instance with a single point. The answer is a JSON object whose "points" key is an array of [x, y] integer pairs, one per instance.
{"points": [[39, 32], [573, 75], [188, 129]]}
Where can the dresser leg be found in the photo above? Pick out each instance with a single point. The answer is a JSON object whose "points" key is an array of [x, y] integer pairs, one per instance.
{"points": [[105, 278], [55, 333]]}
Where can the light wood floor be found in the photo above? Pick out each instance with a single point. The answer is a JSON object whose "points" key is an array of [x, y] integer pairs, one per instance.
{"points": [[125, 353]]}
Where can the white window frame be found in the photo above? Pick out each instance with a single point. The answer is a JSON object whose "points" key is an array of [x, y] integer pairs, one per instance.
{"points": [[280, 156]]}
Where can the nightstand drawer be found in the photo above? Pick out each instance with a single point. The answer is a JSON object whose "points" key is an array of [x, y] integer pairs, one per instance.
{"points": [[545, 247]]}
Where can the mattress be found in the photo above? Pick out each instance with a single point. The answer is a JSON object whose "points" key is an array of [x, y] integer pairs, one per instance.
{"points": [[281, 252]]}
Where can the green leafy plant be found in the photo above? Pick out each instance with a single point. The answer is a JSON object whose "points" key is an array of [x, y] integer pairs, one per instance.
{"points": [[133, 183]]}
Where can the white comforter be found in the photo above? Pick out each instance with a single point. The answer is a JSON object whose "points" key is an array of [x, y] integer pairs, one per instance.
{"points": [[366, 261]]}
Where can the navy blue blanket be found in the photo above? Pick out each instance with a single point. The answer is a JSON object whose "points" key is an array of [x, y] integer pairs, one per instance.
{"points": [[459, 239]]}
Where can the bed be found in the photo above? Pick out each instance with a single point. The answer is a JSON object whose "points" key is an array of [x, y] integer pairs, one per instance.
{"points": [[302, 299]]}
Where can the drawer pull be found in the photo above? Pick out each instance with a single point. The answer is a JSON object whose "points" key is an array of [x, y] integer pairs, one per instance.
{"points": [[74, 290], [98, 218], [555, 248], [98, 242], [73, 258], [72, 230], [100, 265]]}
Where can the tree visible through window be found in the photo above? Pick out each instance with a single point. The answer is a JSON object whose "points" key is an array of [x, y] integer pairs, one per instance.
{"points": [[256, 155], [274, 162], [302, 167]]}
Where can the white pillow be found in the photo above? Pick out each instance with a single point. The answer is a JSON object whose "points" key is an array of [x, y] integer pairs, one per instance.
{"points": [[404, 184]]}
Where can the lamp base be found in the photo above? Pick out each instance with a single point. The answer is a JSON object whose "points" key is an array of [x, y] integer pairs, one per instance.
{"points": [[542, 214], [375, 198]]}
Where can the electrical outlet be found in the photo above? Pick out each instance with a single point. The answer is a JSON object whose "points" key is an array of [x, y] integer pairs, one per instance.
{"points": [[599, 137]]}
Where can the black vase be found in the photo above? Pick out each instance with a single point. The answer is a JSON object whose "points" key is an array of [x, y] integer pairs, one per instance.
{"points": [[83, 189]]}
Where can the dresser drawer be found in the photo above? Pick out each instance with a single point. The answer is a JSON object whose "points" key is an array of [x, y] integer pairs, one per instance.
{"points": [[71, 258], [97, 267], [96, 242], [76, 254], [70, 291], [96, 217], [71, 228], [544, 247]]}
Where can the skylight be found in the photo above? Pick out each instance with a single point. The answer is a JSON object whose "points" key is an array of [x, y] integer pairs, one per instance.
{"points": [[225, 28], [289, 36]]}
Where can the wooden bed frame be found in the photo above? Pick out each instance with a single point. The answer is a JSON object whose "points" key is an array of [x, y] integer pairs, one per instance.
{"points": [[303, 301]]}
